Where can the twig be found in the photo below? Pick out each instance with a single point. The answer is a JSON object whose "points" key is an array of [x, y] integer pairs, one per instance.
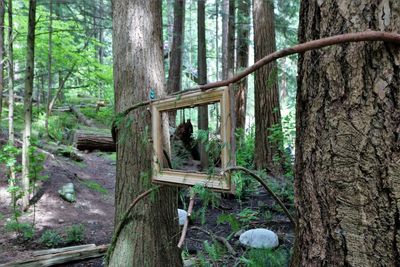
{"points": [[124, 219], [186, 224], [266, 187], [218, 238]]}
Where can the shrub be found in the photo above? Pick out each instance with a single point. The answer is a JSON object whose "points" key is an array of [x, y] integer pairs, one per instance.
{"points": [[51, 238], [75, 233]]}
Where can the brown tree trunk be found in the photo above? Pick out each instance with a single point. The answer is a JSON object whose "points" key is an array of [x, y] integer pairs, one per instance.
{"points": [[228, 38], [30, 64], [175, 66], [347, 189], [150, 238], [242, 60], [2, 12], [267, 109], [202, 71]]}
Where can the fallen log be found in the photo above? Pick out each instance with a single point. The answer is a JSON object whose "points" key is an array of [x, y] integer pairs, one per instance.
{"points": [[59, 250], [65, 151], [89, 141], [82, 118], [61, 257]]}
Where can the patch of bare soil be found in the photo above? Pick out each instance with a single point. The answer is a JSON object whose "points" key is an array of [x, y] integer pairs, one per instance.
{"points": [[93, 209]]}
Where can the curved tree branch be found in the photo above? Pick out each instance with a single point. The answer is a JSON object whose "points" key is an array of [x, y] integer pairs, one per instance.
{"points": [[266, 187]]}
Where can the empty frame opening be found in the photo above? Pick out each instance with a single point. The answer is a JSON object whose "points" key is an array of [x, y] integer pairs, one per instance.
{"points": [[196, 129]]}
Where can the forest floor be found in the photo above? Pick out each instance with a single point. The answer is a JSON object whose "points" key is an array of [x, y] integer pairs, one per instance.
{"points": [[94, 208]]}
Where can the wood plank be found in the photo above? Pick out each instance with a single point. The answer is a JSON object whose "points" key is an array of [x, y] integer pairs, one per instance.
{"points": [[59, 258], [59, 250]]}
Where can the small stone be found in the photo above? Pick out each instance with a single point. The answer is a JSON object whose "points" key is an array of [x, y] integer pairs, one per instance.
{"points": [[61, 221], [259, 238], [182, 216], [67, 192]]}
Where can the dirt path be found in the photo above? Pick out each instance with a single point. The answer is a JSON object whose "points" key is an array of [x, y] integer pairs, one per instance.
{"points": [[94, 181], [94, 208]]}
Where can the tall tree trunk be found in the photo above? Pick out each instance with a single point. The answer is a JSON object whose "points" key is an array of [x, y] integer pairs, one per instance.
{"points": [[49, 59], [150, 238], [228, 38], [267, 109], [2, 12], [175, 66], [30, 63], [347, 189], [101, 32], [11, 137], [242, 60], [10, 75], [202, 72], [216, 39]]}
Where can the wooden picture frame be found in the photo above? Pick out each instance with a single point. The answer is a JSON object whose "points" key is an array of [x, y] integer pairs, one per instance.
{"points": [[219, 181]]}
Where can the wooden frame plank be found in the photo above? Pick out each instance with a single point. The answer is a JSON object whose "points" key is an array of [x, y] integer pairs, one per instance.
{"points": [[218, 181]]}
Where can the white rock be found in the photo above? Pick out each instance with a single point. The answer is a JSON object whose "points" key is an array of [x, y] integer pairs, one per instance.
{"points": [[259, 238], [182, 216]]}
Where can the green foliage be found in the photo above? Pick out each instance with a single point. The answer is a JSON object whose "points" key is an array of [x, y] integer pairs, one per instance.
{"points": [[93, 185], [245, 147], [103, 116], [265, 258], [214, 250], [231, 219], [247, 215], [208, 197], [26, 230], [75, 233], [51, 238], [36, 166]]}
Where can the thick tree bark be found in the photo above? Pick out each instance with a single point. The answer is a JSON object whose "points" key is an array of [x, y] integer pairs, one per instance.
{"points": [[2, 12], [228, 38], [242, 60], [175, 66], [267, 109], [347, 189], [151, 236], [30, 64], [202, 71]]}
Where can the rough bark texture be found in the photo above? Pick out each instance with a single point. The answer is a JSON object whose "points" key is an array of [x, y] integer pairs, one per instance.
{"points": [[347, 186], [267, 109], [174, 82], [151, 236], [2, 12], [30, 64], [242, 60], [228, 38], [202, 71], [175, 68]]}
